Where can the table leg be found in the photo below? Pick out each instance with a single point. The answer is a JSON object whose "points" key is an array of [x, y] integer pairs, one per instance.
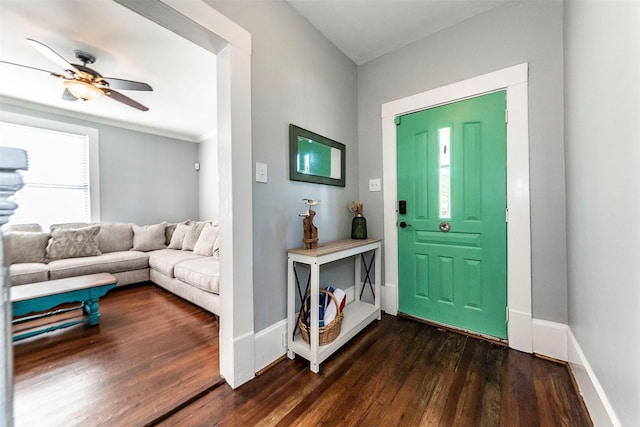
{"points": [[93, 310]]}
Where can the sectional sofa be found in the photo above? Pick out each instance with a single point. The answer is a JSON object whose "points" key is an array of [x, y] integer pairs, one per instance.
{"points": [[182, 258]]}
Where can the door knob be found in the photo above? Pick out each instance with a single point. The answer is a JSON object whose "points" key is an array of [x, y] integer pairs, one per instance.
{"points": [[404, 225], [445, 227]]}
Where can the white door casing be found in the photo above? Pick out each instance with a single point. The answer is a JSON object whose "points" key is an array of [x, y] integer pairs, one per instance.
{"points": [[203, 25], [515, 81]]}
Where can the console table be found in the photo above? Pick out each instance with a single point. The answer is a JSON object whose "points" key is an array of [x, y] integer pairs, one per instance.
{"points": [[357, 314]]}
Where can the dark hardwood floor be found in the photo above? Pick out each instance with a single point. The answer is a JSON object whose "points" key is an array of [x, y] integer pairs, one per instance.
{"points": [[151, 351], [399, 372], [152, 356]]}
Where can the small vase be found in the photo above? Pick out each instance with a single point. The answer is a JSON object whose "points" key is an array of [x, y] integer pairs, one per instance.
{"points": [[359, 227]]}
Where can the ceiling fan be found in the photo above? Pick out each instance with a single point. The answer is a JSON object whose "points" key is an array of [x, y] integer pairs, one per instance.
{"points": [[81, 82]]}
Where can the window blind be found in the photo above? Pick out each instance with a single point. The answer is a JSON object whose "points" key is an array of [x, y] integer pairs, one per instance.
{"points": [[57, 183]]}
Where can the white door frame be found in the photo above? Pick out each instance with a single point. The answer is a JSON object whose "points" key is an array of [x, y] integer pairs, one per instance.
{"points": [[515, 81], [205, 26]]}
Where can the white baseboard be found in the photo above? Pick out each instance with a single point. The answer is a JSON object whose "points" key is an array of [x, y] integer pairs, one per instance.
{"points": [[519, 331], [269, 344], [390, 300], [601, 411], [242, 372], [550, 339]]}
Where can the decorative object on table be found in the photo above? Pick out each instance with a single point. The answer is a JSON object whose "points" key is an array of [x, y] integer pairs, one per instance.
{"points": [[310, 232], [330, 302], [314, 158], [359, 222]]}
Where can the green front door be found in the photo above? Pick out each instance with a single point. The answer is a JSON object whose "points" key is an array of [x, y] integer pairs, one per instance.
{"points": [[452, 234]]}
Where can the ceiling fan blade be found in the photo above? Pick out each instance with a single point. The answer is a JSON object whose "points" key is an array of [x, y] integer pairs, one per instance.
{"points": [[125, 99], [34, 68], [126, 84], [52, 55], [67, 96]]}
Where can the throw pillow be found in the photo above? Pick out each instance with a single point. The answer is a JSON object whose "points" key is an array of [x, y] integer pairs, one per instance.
{"points": [[170, 229], [67, 225], [73, 242], [178, 236], [115, 237], [208, 237], [148, 237], [27, 246], [191, 238], [25, 227]]}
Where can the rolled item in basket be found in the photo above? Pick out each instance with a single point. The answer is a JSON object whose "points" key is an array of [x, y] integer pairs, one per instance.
{"points": [[331, 311], [322, 298]]}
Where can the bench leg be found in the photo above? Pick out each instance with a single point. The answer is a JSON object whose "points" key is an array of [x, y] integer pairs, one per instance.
{"points": [[92, 309]]}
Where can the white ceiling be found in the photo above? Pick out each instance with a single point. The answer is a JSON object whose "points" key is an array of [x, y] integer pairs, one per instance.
{"points": [[182, 74], [367, 29], [127, 46]]}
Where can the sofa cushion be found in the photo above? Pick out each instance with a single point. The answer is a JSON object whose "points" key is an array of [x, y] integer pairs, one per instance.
{"points": [[178, 236], [25, 227], [73, 242], [206, 241], [112, 262], [165, 260], [193, 233], [115, 236], [32, 272], [148, 237], [27, 246], [203, 273]]}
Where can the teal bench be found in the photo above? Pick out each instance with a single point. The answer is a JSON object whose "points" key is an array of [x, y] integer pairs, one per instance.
{"points": [[42, 296]]}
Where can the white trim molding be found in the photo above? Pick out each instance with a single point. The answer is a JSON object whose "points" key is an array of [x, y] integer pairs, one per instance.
{"points": [[270, 344], [600, 410], [550, 339], [556, 340], [515, 81], [211, 30]]}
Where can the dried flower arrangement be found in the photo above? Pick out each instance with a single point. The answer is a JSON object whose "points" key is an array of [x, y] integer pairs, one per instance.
{"points": [[357, 208]]}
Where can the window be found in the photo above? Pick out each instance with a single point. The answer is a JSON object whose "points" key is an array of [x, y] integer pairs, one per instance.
{"points": [[62, 183]]}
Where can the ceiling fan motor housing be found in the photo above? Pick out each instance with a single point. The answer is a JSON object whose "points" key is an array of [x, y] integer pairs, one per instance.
{"points": [[85, 57]]}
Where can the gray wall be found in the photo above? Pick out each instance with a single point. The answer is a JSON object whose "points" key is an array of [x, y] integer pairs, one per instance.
{"points": [[144, 178], [297, 76], [602, 111], [508, 35]]}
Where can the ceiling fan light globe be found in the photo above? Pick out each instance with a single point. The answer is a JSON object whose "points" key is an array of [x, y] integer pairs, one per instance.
{"points": [[83, 90]]}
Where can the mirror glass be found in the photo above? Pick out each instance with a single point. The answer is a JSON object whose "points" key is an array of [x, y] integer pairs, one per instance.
{"points": [[315, 158]]}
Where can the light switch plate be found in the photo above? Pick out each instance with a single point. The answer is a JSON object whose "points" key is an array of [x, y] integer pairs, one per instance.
{"points": [[261, 172], [374, 184]]}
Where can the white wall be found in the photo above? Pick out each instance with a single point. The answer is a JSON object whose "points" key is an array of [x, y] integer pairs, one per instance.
{"points": [[297, 76], [527, 31], [208, 178], [144, 178], [602, 112]]}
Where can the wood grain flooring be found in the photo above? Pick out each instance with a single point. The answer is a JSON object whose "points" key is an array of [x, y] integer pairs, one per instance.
{"points": [[151, 351], [150, 362], [399, 372]]}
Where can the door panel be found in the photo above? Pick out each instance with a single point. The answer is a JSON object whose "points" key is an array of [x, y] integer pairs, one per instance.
{"points": [[452, 254]]}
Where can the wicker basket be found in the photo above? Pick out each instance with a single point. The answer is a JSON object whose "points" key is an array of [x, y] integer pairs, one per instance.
{"points": [[327, 333]]}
